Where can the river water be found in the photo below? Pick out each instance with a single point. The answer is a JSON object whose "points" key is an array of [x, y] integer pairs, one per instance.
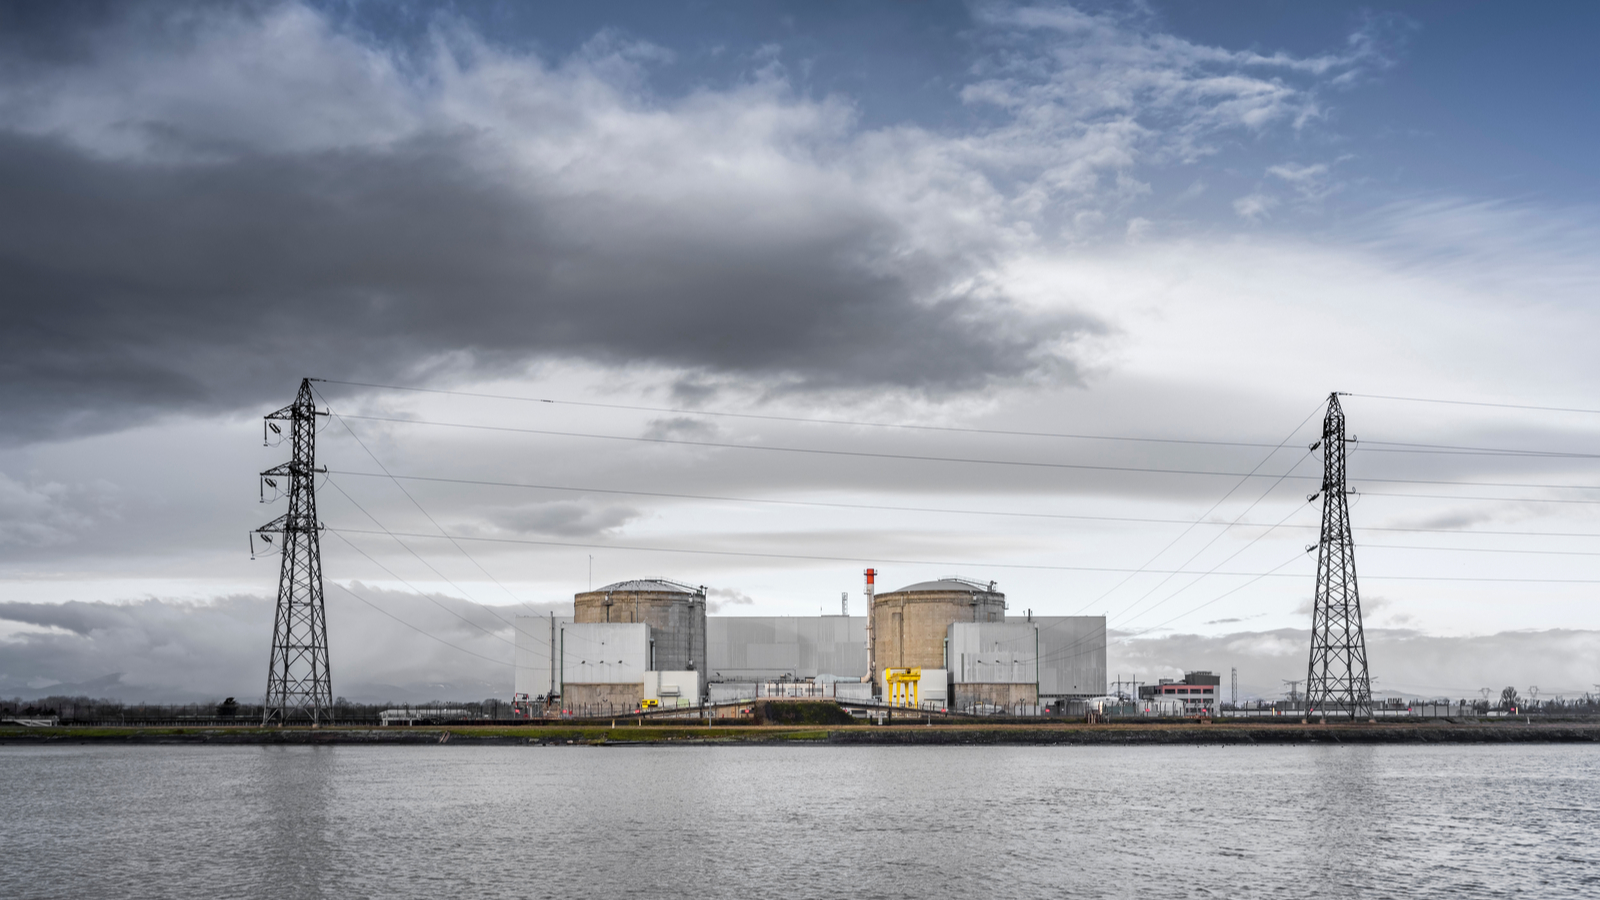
{"points": [[799, 821]]}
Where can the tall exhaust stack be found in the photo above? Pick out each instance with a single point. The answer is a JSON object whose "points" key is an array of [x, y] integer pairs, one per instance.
{"points": [[844, 603], [872, 633]]}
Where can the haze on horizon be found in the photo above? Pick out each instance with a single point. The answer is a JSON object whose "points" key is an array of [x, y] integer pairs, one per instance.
{"points": [[1013, 221]]}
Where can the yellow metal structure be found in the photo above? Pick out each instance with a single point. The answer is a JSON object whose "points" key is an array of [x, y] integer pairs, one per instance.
{"points": [[904, 686], [649, 703]]}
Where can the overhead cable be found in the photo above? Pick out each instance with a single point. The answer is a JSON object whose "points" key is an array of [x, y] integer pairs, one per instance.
{"points": [[430, 598], [917, 562], [418, 505], [806, 419], [944, 459], [1475, 497], [1063, 652], [1398, 446], [423, 632], [579, 489], [1566, 409], [1240, 483], [1229, 558]]}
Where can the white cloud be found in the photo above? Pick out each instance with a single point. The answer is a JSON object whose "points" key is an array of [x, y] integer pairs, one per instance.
{"points": [[1310, 181], [1254, 206], [1105, 91], [1089, 99], [222, 83]]}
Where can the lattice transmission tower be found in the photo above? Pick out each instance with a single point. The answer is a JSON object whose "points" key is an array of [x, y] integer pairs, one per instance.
{"points": [[297, 679], [1336, 679]]}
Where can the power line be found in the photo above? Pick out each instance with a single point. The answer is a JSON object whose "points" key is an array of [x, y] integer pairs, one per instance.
{"points": [[753, 554], [1214, 538], [429, 598], [1062, 652], [1452, 450], [918, 562], [724, 445], [580, 489], [766, 500], [1481, 550], [806, 419], [1477, 403], [1240, 483], [768, 448], [418, 505], [954, 429], [1219, 565], [420, 631], [1474, 497]]}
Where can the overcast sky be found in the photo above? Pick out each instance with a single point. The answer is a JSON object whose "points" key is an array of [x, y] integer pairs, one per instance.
{"points": [[1044, 229]]}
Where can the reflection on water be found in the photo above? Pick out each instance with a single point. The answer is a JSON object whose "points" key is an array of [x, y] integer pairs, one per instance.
{"points": [[1344, 814], [455, 821], [286, 802]]}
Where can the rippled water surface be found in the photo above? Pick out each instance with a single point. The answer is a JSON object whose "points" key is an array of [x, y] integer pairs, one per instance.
{"points": [[800, 821]]}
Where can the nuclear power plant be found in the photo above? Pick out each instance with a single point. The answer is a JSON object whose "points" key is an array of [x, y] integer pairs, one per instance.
{"points": [[949, 645]]}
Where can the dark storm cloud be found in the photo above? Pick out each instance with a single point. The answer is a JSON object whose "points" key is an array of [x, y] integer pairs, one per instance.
{"points": [[169, 259], [79, 618], [132, 288], [203, 203]]}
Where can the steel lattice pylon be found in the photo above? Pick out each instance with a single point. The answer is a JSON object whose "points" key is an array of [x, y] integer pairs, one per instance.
{"points": [[297, 679], [1336, 679]]}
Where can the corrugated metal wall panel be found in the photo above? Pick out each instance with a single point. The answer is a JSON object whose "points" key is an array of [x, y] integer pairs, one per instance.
{"points": [[763, 647], [604, 653], [994, 653], [535, 650], [1072, 651]]}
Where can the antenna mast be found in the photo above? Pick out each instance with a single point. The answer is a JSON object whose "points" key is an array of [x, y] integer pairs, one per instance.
{"points": [[1336, 678], [297, 678]]}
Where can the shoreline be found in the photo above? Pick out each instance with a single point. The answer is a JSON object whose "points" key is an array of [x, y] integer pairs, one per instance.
{"points": [[855, 735]]}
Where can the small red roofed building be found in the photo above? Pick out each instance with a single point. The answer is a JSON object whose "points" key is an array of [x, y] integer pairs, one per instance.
{"points": [[1200, 692]]}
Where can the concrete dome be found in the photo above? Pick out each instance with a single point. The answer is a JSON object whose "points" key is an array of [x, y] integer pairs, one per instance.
{"points": [[951, 583], [660, 585], [909, 625], [676, 614]]}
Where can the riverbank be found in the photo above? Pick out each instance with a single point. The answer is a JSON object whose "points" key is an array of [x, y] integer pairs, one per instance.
{"points": [[1219, 733]]}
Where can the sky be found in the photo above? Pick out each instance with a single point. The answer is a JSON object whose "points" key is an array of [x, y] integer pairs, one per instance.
{"points": [[756, 295]]}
